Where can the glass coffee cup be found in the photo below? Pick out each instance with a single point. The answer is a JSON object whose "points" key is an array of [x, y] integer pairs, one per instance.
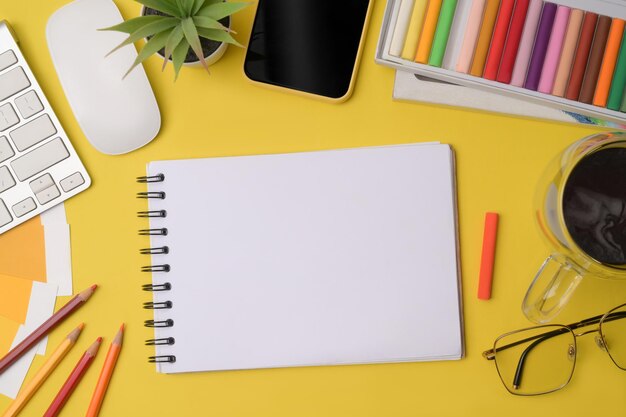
{"points": [[580, 207]]}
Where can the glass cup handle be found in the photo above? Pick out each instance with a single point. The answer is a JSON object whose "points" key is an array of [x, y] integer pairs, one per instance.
{"points": [[551, 289]]}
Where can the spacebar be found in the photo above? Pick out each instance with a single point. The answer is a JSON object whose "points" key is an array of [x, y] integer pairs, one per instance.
{"points": [[39, 159]]}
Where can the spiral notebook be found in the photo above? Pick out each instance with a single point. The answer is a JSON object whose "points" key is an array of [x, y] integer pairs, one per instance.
{"points": [[316, 258]]}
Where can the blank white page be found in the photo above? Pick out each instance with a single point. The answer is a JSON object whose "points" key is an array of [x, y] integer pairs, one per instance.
{"points": [[316, 258]]}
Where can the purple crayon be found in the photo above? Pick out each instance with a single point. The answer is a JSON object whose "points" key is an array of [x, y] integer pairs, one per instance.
{"points": [[541, 46]]}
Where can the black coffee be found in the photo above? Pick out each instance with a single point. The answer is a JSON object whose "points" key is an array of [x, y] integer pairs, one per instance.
{"points": [[594, 205]]}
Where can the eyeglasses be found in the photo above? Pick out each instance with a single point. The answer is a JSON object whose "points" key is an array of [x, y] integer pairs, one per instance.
{"points": [[541, 359]]}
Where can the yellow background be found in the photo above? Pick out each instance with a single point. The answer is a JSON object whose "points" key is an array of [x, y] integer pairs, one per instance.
{"points": [[499, 162]]}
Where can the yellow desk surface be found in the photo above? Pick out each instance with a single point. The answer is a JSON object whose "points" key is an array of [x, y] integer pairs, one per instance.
{"points": [[499, 162]]}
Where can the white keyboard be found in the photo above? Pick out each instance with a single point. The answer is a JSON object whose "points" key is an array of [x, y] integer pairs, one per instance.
{"points": [[39, 168]]}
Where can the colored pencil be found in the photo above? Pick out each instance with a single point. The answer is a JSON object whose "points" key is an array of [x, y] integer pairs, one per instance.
{"points": [[509, 55], [442, 33], [105, 374], [526, 43], [414, 30], [541, 46], [592, 72], [487, 259], [619, 79], [73, 379], [471, 36], [500, 31], [44, 372], [484, 38], [45, 328], [582, 56], [609, 61], [455, 41], [402, 24], [555, 47], [623, 107], [428, 31], [567, 54]]}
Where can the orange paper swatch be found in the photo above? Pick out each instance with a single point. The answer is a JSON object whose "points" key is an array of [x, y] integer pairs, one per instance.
{"points": [[14, 297], [23, 251]]}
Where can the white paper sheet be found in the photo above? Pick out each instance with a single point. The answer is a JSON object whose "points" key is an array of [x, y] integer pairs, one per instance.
{"points": [[11, 380], [40, 308], [58, 249]]}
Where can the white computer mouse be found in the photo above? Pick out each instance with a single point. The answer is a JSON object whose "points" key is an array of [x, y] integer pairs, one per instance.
{"points": [[116, 114]]}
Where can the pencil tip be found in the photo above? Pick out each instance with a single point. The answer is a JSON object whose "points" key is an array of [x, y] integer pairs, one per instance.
{"points": [[122, 327], [99, 340], [81, 326], [94, 286]]}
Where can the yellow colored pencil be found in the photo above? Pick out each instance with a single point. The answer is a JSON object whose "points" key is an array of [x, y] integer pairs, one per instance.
{"points": [[29, 389], [425, 42], [415, 29]]}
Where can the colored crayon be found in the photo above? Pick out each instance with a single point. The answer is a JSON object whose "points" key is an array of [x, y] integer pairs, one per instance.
{"points": [[582, 56], [500, 31], [442, 33], [425, 42], [471, 36], [567, 54], [414, 30], [592, 72], [541, 46], [623, 107], [609, 61], [402, 24], [555, 47], [526, 43], [484, 38], [455, 41], [619, 79], [505, 72]]}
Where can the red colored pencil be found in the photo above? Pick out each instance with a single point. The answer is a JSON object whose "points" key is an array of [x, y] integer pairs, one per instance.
{"points": [[582, 56], [72, 381], [45, 328], [505, 72], [499, 38]]}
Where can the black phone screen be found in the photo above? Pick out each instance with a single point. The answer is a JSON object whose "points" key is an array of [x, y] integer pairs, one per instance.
{"points": [[306, 45]]}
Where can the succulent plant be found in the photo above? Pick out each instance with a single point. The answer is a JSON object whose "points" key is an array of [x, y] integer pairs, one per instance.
{"points": [[180, 27]]}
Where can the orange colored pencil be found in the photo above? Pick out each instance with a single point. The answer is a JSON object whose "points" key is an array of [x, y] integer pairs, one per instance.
{"points": [[608, 63], [105, 374]]}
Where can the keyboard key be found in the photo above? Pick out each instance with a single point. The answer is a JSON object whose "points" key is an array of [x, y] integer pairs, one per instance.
{"points": [[6, 179], [41, 183], [5, 216], [71, 182], [39, 159], [6, 151], [33, 132], [29, 104], [7, 59], [48, 194], [12, 82], [8, 117], [24, 207]]}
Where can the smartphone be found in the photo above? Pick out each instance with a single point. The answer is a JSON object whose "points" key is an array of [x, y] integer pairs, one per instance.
{"points": [[308, 46]]}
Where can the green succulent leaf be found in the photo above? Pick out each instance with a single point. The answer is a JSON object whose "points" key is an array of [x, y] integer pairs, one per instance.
{"points": [[191, 34], [165, 6], [208, 23], [178, 57], [217, 35], [155, 43], [185, 7], [134, 24], [196, 6], [148, 30], [175, 37], [220, 10]]}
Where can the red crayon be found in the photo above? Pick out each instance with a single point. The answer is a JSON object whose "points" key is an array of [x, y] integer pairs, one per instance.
{"points": [[72, 381], [499, 38], [505, 72], [488, 256]]}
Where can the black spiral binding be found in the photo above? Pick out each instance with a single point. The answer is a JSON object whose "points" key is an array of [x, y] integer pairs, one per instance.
{"points": [[162, 250]]}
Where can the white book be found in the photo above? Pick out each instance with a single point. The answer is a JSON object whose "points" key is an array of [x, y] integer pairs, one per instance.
{"points": [[315, 258]]}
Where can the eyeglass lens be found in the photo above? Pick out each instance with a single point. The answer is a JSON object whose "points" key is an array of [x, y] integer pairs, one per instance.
{"points": [[538, 360]]}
